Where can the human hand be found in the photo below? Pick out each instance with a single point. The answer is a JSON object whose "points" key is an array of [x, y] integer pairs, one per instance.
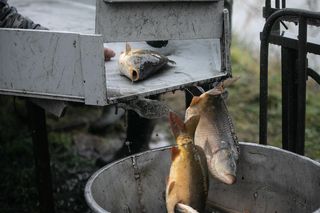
{"points": [[108, 54]]}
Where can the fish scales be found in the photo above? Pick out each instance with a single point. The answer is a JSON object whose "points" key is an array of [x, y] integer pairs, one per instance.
{"points": [[215, 134], [188, 178], [138, 64]]}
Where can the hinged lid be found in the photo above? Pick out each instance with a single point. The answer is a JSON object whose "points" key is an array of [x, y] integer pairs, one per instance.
{"points": [[170, 20]]}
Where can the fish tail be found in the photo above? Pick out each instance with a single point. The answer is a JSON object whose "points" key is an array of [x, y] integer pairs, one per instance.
{"points": [[179, 127], [185, 208]]}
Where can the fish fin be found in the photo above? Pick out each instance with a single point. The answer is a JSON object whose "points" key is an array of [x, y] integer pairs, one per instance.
{"points": [[128, 48], [177, 125], [204, 168], [230, 81], [174, 153], [185, 208], [171, 61], [191, 124], [195, 100], [217, 90], [207, 148], [171, 185]]}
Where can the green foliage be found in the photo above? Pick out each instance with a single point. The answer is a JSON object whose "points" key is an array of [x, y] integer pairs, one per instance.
{"points": [[243, 101], [18, 182]]}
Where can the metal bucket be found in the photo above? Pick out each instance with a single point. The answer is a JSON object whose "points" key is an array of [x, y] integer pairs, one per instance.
{"points": [[269, 180]]}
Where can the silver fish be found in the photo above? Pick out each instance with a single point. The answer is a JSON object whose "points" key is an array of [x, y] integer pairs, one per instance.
{"points": [[215, 133], [138, 64]]}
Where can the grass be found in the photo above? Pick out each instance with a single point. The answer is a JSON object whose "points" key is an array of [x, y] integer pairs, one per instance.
{"points": [[70, 170], [243, 101]]}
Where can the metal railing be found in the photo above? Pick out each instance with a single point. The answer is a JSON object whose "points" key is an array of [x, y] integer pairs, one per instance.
{"points": [[294, 72]]}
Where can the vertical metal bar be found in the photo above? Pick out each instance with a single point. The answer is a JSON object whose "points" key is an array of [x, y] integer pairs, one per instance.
{"points": [[289, 97], [37, 124], [264, 52], [227, 41], [301, 87], [283, 4], [268, 4], [277, 4]]}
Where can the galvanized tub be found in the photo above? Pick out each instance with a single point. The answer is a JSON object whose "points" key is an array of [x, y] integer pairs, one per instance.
{"points": [[269, 180]]}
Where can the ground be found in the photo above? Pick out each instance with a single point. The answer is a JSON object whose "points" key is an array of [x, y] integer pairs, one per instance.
{"points": [[74, 149]]}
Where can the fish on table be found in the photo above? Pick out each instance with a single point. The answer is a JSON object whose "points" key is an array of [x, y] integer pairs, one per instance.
{"points": [[215, 133], [138, 64], [188, 180]]}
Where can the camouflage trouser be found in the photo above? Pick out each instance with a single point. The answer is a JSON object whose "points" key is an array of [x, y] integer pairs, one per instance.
{"points": [[10, 18]]}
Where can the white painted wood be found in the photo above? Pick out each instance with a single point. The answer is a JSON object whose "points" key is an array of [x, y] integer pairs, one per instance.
{"points": [[158, 20], [40, 61], [196, 61], [62, 66], [94, 74], [68, 66], [47, 64]]}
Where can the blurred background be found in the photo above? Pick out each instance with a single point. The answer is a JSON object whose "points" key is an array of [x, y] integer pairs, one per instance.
{"points": [[78, 148]]}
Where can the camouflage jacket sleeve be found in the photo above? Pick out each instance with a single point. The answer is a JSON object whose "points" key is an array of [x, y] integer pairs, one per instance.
{"points": [[10, 18]]}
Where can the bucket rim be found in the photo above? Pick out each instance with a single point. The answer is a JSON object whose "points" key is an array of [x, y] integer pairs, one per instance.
{"points": [[87, 192], [98, 209]]}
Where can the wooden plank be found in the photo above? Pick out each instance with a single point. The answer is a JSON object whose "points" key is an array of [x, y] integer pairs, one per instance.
{"points": [[93, 79], [158, 20], [40, 62], [47, 64]]}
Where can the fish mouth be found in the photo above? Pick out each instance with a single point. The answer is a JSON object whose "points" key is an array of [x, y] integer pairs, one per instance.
{"points": [[229, 179], [134, 75]]}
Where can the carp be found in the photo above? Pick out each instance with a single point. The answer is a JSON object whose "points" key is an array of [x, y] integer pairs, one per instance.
{"points": [[138, 64], [215, 133], [188, 179]]}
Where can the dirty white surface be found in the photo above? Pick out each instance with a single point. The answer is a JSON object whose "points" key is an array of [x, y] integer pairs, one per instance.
{"points": [[196, 61], [50, 60], [52, 65], [159, 21]]}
